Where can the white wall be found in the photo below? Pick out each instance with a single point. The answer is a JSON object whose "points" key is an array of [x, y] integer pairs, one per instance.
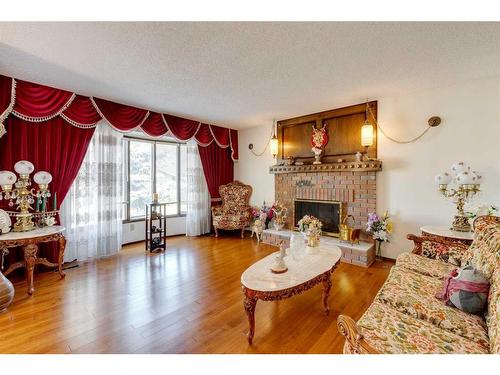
{"points": [[470, 132], [135, 231], [254, 170]]}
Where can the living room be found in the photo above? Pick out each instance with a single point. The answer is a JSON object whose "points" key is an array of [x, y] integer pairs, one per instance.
{"points": [[196, 187]]}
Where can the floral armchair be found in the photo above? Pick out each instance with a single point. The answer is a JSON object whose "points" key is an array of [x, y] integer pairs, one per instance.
{"points": [[235, 211]]}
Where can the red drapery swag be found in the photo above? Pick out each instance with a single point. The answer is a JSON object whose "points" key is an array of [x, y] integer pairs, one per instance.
{"points": [[35, 103]]}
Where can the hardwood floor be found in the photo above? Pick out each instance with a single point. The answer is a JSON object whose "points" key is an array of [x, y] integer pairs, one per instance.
{"points": [[186, 300]]}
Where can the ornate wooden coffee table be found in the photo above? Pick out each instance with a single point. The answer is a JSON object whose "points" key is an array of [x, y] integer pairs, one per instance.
{"points": [[258, 282]]}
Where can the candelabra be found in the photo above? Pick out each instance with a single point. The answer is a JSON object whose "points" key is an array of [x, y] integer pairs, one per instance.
{"points": [[467, 184], [20, 193]]}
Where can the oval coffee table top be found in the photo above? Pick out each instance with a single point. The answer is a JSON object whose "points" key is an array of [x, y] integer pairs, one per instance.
{"points": [[260, 278]]}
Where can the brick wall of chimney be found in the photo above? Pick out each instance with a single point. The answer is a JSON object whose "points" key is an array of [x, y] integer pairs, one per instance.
{"points": [[357, 190]]}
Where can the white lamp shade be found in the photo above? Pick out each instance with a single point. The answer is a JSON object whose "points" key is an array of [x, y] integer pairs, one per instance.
{"points": [[459, 167], [466, 178], [7, 178], [42, 178], [273, 146], [24, 167], [443, 179], [479, 177], [367, 134]]}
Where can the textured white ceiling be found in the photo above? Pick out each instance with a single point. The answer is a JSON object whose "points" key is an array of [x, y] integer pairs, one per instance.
{"points": [[246, 74]]}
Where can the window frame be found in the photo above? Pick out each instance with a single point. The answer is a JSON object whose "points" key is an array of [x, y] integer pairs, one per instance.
{"points": [[126, 150]]}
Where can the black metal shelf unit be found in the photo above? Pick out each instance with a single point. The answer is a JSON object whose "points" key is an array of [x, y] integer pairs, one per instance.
{"points": [[156, 226]]}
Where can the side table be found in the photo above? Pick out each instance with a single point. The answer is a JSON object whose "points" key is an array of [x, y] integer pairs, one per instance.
{"points": [[29, 242], [446, 233]]}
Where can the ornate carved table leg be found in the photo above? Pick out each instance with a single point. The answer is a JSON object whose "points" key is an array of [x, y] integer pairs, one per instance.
{"points": [[249, 304], [30, 260], [62, 248], [327, 285]]}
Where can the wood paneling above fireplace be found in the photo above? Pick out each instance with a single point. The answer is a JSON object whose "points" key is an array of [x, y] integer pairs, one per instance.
{"points": [[344, 132]]}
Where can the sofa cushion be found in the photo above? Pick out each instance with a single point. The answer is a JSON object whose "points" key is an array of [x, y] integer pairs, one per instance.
{"points": [[493, 316], [414, 294], [424, 266], [484, 253], [227, 221], [390, 331]]}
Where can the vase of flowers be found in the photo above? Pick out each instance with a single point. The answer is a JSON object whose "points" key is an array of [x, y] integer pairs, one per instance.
{"points": [[380, 228], [267, 210], [310, 227], [280, 212]]}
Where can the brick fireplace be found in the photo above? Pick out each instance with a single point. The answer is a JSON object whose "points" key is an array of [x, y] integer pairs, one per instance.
{"points": [[352, 183], [355, 187]]}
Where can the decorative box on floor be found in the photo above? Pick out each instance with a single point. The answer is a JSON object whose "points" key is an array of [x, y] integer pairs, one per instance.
{"points": [[360, 254], [156, 226]]}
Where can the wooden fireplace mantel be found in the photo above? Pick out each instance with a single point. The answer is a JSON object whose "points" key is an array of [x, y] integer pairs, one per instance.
{"points": [[363, 166]]}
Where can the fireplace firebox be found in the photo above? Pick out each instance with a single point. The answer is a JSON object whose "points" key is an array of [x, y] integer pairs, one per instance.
{"points": [[328, 212]]}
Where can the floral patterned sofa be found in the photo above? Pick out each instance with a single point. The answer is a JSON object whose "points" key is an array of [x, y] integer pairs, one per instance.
{"points": [[406, 317], [235, 211]]}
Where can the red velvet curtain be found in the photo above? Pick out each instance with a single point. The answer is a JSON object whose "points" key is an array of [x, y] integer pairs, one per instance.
{"points": [[217, 166], [52, 146]]}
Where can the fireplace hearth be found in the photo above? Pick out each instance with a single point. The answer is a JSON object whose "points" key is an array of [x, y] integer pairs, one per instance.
{"points": [[328, 212]]}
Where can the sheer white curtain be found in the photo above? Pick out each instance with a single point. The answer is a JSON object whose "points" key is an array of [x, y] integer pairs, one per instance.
{"points": [[198, 198], [91, 212]]}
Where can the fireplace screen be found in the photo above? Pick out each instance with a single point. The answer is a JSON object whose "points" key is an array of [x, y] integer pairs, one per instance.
{"points": [[328, 212]]}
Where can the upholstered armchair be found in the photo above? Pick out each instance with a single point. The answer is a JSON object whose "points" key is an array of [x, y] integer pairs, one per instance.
{"points": [[234, 212]]}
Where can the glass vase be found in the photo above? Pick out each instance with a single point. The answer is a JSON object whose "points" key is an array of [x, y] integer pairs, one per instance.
{"points": [[378, 250]]}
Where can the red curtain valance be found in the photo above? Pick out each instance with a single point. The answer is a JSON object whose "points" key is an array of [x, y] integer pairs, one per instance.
{"points": [[35, 103], [81, 113]]}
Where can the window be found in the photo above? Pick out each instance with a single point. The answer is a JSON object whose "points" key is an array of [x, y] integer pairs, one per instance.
{"points": [[153, 166]]}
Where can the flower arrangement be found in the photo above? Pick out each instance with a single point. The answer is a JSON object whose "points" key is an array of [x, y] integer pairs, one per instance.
{"points": [[310, 226], [264, 213], [255, 212], [380, 228], [473, 210], [280, 212]]}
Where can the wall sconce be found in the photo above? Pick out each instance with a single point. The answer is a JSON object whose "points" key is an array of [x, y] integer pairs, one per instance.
{"points": [[272, 143], [273, 146], [367, 134]]}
